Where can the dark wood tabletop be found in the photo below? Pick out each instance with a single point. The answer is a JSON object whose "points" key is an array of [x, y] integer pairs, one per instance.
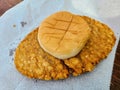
{"points": [[115, 80]]}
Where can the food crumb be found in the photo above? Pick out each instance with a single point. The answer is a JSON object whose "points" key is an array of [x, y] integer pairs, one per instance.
{"points": [[14, 25], [23, 23], [11, 51]]}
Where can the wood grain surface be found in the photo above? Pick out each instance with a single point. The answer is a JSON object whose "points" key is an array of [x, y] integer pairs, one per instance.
{"points": [[115, 81], [6, 4]]}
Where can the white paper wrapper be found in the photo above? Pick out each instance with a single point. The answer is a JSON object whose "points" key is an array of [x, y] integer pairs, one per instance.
{"points": [[16, 23]]}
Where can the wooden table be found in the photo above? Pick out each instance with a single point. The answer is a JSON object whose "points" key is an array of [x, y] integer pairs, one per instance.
{"points": [[115, 81]]}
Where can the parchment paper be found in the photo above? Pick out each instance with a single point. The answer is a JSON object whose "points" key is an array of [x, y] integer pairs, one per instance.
{"points": [[17, 22]]}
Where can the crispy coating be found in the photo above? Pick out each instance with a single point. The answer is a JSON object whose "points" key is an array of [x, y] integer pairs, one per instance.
{"points": [[97, 48], [33, 62]]}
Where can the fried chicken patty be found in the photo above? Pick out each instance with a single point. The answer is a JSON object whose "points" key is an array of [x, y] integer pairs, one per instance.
{"points": [[31, 60]]}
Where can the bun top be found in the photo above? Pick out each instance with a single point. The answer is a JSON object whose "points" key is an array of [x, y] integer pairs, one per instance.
{"points": [[63, 34]]}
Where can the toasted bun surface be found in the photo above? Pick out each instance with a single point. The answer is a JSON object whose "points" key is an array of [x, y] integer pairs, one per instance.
{"points": [[63, 34]]}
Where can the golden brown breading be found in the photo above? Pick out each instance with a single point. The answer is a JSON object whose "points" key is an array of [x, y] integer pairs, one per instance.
{"points": [[97, 48], [33, 62]]}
